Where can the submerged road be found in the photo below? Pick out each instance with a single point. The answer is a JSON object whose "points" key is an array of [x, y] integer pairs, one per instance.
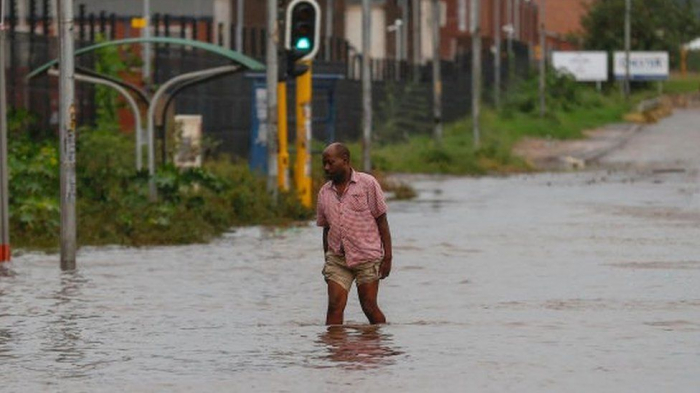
{"points": [[562, 282]]}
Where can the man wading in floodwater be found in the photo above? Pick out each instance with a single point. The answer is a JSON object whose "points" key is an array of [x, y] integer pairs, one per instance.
{"points": [[356, 238]]}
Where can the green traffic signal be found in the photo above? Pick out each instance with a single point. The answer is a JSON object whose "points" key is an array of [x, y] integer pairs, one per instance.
{"points": [[303, 43], [303, 28]]}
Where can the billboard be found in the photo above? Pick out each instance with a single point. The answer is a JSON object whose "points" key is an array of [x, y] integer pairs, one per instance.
{"points": [[644, 66], [590, 66]]}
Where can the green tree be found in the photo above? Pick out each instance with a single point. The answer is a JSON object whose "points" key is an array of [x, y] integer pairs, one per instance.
{"points": [[662, 25]]}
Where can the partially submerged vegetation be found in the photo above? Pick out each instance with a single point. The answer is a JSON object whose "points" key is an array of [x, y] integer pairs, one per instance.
{"points": [[194, 205]]}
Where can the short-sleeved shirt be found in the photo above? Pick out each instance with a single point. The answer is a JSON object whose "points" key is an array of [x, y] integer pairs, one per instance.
{"points": [[351, 218]]}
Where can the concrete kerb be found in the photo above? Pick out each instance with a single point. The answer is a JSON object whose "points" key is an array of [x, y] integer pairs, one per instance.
{"points": [[591, 157]]}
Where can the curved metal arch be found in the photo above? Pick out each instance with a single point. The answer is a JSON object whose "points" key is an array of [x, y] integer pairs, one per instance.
{"points": [[234, 56], [140, 93]]}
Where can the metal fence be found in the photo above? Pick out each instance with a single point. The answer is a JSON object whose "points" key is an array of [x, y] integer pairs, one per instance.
{"points": [[402, 92]]}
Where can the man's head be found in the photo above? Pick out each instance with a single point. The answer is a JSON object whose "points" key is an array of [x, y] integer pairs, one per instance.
{"points": [[336, 162]]}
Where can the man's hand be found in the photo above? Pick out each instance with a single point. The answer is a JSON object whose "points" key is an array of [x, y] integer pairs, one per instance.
{"points": [[385, 268]]}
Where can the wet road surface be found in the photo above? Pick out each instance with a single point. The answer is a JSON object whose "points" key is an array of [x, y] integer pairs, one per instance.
{"points": [[576, 282]]}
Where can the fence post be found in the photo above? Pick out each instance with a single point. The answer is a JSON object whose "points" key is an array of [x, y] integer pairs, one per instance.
{"points": [[81, 23]]}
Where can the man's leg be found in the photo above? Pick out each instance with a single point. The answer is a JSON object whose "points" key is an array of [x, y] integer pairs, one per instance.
{"points": [[368, 300], [337, 299]]}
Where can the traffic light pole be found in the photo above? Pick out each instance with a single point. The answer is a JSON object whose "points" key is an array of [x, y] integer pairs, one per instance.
{"points": [[302, 168], [302, 40], [283, 155]]}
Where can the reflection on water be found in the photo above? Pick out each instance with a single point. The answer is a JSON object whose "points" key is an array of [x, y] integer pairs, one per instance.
{"points": [[358, 346], [65, 339]]}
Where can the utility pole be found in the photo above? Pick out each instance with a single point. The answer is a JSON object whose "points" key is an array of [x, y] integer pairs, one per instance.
{"points": [[366, 87], [437, 78], [628, 34], [476, 68], [543, 57], [272, 78], [146, 45], [240, 9], [516, 19], [66, 121], [510, 31], [396, 29], [497, 53], [5, 254], [417, 54], [329, 28]]}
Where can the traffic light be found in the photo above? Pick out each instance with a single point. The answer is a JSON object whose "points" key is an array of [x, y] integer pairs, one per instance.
{"points": [[303, 28]]}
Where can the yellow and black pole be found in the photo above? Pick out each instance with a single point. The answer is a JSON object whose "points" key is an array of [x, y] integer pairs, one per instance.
{"points": [[302, 41], [282, 134], [302, 167]]}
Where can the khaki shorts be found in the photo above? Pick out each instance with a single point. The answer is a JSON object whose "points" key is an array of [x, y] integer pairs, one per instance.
{"points": [[335, 269]]}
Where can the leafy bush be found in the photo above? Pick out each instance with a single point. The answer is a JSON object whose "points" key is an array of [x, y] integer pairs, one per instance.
{"points": [[194, 205]]}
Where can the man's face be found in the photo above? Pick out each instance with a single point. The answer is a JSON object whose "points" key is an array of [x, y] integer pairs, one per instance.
{"points": [[334, 165]]}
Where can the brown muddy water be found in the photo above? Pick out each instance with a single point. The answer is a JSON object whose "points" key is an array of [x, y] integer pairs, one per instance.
{"points": [[580, 282]]}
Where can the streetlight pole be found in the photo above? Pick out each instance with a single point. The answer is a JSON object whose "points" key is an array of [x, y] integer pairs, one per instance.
{"points": [[329, 28], [366, 87], [4, 181], [437, 79], [497, 53], [396, 29], [66, 121], [628, 34], [476, 69], [272, 79], [543, 56], [146, 45], [240, 9], [417, 51]]}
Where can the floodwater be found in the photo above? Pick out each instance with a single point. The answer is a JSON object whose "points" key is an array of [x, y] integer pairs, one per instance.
{"points": [[575, 282]]}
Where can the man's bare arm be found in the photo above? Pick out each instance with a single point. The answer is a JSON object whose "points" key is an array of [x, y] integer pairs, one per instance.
{"points": [[385, 236], [325, 239]]}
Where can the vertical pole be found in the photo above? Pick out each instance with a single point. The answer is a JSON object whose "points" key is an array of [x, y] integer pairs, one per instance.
{"points": [[303, 142], [397, 49], [516, 20], [437, 78], [417, 51], [283, 157], [366, 88], [476, 69], [511, 57], [66, 120], [272, 80], [404, 29], [497, 53], [543, 57], [628, 33], [146, 46], [4, 181], [329, 29], [240, 9]]}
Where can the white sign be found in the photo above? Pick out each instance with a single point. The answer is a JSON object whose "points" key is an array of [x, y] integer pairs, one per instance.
{"points": [[644, 66], [583, 66]]}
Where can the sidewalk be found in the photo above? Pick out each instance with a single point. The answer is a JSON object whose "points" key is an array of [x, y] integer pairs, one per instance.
{"points": [[575, 154], [550, 154]]}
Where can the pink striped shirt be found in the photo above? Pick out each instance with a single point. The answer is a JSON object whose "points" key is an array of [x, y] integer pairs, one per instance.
{"points": [[351, 218]]}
